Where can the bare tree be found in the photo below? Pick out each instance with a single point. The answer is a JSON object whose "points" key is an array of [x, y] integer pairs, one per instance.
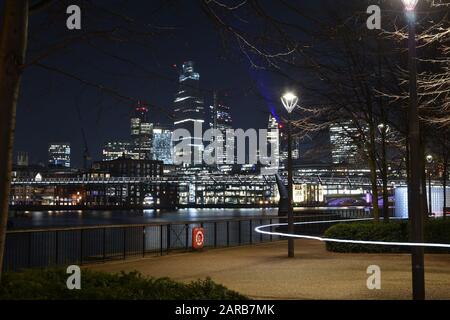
{"points": [[13, 44]]}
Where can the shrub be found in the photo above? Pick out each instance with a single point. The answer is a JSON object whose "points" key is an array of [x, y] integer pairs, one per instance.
{"points": [[435, 230], [50, 284]]}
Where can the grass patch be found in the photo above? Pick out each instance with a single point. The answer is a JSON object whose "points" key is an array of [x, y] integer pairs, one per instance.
{"points": [[435, 230], [50, 284]]}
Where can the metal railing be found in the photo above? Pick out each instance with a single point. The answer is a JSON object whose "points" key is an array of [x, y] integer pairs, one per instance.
{"points": [[33, 248]]}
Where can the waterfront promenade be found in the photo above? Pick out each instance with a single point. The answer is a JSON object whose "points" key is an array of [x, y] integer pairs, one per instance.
{"points": [[263, 272]]}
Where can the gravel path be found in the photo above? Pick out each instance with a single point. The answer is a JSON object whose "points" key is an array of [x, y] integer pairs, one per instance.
{"points": [[264, 272]]}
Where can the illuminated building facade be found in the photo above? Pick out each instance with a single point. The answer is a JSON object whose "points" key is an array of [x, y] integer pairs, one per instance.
{"points": [[59, 155], [188, 111], [141, 132], [344, 149], [273, 147], [121, 182], [127, 167], [116, 149], [221, 120], [162, 144], [284, 145]]}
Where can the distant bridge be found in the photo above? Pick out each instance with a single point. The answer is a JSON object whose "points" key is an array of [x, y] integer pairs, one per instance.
{"points": [[341, 181]]}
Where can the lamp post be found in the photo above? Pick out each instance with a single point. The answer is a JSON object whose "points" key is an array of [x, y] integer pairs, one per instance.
{"points": [[415, 214], [430, 162], [290, 101]]}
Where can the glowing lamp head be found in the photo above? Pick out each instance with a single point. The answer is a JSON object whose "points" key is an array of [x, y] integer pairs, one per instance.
{"points": [[383, 127], [410, 5], [429, 158], [289, 101]]}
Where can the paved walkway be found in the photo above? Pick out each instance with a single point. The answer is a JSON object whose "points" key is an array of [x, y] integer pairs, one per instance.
{"points": [[263, 271]]}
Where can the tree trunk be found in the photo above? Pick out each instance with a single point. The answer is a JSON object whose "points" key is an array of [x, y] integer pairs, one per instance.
{"points": [[408, 173], [444, 184], [384, 175], [373, 180], [373, 173], [423, 179], [13, 41]]}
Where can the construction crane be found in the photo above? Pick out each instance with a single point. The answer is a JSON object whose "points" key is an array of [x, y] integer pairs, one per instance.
{"points": [[86, 154]]}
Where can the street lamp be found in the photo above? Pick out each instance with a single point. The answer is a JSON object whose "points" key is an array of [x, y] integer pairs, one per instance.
{"points": [[430, 161], [414, 196], [383, 128], [290, 101], [410, 5]]}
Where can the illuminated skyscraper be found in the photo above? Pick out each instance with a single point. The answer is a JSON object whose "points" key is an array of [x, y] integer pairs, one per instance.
{"points": [[189, 113], [284, 144], [59, 155], [343, 146], [273, 147], [221, 120], [141, 132], [162, 144]]}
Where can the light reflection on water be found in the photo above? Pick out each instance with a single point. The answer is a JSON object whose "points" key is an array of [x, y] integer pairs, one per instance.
{"points": [[62, 218]]}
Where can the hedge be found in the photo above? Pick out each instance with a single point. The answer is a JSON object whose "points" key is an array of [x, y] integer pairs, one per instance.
{"points": [[435, 230], [50, 284]]}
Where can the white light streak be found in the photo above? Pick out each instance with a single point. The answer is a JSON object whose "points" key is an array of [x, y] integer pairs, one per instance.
{"points": [[383, 243]]}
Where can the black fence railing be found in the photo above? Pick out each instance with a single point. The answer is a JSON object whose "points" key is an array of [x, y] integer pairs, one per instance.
{"points": [[90, 244]]}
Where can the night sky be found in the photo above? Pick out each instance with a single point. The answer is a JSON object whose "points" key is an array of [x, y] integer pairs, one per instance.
{"points": [[47, 110]]}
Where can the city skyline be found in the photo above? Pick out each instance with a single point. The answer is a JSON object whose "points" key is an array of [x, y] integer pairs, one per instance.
{"points": [[318, 131], [38, 156], [152, 77]]}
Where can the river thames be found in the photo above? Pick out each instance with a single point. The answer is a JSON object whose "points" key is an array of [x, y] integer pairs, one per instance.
{"points": [[74, 218]]}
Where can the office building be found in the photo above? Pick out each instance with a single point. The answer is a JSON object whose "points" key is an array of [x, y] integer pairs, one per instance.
{"points": [[343, 139], [141, 132], [162, 144], [221, 120], [116, 149], [59, 155], [272, 156], [188, 112], [127, 167]]}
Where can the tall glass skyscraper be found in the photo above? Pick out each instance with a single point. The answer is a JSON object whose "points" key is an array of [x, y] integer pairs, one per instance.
{"points": [[283, 128], [188, 112], [141, 132], [273, 147], [221, 120], [343, 146]]}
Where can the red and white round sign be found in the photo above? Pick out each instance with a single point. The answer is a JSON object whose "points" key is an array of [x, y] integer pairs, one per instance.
{"points": [[198, 238]]}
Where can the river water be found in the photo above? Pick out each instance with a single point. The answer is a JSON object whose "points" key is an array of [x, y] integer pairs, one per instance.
{"points": [[72, 218]]}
